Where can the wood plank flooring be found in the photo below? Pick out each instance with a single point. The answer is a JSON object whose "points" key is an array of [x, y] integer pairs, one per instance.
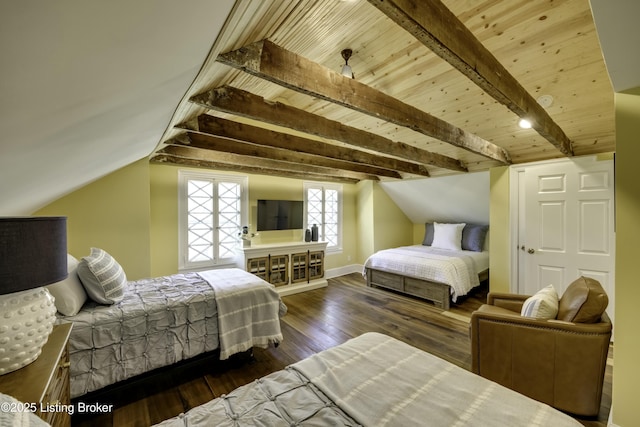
{"points": [[317, 320]]}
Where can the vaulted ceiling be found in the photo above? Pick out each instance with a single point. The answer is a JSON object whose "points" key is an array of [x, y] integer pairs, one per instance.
{"points": [[438, 89]]}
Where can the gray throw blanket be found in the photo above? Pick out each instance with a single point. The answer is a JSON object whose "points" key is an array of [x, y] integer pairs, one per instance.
{"points": [[249, 310]]}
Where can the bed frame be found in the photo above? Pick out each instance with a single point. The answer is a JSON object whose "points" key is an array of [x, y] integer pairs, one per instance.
{"points": [[436, 292]]}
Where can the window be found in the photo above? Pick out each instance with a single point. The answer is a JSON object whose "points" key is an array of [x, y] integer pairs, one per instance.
{"points": [[323, 207], [212, 212]]}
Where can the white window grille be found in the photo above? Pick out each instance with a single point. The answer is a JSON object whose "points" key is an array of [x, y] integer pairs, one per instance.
{"points": [[323, 205], [212, 213]]}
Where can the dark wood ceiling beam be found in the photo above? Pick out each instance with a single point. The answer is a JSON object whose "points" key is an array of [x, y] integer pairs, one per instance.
{"points": [[188, 156], [246, 104], [269, 61], [255, 170], [209, 142], [255, 135], [434, 25]]}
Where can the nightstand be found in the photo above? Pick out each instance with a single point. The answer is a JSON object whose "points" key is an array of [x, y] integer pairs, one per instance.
{"points": [[45, 382]]}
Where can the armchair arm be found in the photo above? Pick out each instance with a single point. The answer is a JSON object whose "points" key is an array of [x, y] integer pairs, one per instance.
{"points": [[511, 302], [508, 317]]}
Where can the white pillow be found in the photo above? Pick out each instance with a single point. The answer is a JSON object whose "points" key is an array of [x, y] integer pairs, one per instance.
{"points": [[69, 293], [542, 305], [447, 236]]}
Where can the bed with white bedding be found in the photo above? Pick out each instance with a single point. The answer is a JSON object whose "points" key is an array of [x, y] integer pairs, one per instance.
{"points": [[372, 380], [452, 260], [163, 320], [437, 275]]}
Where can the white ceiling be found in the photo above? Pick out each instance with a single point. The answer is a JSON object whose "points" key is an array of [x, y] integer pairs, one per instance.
{"points": [[619, 33], [89, 86], [455, 198]]}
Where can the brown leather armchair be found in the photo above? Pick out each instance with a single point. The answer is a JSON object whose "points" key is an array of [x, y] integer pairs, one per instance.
{"points": [[558, 362]]}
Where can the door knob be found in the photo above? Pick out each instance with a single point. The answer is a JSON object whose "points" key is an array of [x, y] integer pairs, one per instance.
{"points": [[531, 250]]}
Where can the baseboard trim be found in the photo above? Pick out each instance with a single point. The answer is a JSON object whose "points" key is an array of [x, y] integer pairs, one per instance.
{"points": [[301, 287], [342, 271]]}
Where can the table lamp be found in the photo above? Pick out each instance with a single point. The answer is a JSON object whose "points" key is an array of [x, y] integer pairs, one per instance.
{"points": [[33, 253]]}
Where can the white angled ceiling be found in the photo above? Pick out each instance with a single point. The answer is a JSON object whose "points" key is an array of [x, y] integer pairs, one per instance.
{"points": [[88, 86], [619, 34]]}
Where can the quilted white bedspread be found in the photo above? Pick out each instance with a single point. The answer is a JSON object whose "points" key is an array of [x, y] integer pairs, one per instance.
{"points": [[373, 380], [458, 269]]}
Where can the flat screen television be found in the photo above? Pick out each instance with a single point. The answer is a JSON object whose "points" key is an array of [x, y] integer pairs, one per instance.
{"points": [[280, 215]]}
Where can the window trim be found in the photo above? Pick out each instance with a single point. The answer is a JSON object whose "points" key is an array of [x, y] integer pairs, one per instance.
{"points": [[326, 186], [183, 177]]}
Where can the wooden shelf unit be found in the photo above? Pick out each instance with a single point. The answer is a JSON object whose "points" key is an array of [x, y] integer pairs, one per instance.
{"points": [[292, 267]]}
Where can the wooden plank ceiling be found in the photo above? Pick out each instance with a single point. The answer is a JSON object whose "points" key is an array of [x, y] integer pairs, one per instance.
{"points": [[438, 88]]}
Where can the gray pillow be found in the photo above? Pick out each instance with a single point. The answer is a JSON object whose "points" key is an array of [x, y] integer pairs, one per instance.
{"points": [[428, 234], [473, 236], [102, 277]]}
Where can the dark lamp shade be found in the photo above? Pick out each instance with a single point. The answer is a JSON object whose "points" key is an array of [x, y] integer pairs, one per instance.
{"points": [[33, 252]]}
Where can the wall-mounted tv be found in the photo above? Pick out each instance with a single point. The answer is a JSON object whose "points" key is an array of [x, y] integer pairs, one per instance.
{"points": [[280, 215]]}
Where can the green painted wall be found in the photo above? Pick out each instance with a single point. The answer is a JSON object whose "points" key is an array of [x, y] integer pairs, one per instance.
{"points": [[164, 219], [164, 216], [364, 220], [499, 230], [133, 214], [391, 227], [381, 224], [626, 371], [113, 214]]}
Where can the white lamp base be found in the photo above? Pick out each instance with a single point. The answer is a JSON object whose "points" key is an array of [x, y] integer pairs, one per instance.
{"points": [[26, 320]]}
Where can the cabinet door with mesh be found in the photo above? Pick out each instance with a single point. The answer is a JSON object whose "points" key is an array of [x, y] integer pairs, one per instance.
{"points": [[299, 267], [258, 266], [279, 269], [316, 265]]}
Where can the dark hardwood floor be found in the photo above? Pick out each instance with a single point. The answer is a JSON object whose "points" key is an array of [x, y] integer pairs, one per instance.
{"points": [[316, 320]]}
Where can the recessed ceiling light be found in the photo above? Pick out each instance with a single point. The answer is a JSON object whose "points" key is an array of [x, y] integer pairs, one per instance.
{"points": [[524, 124], [545, 100]]}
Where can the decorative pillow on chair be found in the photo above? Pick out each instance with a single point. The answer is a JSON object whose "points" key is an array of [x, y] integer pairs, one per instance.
{"points": [[102, 277], [447, 236], [584, 301], [69, 294], [473, 236], [542, 305]]}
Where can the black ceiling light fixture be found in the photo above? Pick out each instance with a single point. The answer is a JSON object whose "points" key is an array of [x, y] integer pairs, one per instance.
{"points": [[346, 68]]}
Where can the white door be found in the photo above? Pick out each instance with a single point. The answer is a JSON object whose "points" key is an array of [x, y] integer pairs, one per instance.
{"points": [[566, 224]]}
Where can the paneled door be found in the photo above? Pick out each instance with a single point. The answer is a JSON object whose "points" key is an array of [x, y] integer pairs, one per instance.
{"points": [[566, 224]]}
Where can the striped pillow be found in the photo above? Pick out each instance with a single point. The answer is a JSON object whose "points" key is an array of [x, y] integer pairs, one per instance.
{"points": [[102, 277], [542, 305]]}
